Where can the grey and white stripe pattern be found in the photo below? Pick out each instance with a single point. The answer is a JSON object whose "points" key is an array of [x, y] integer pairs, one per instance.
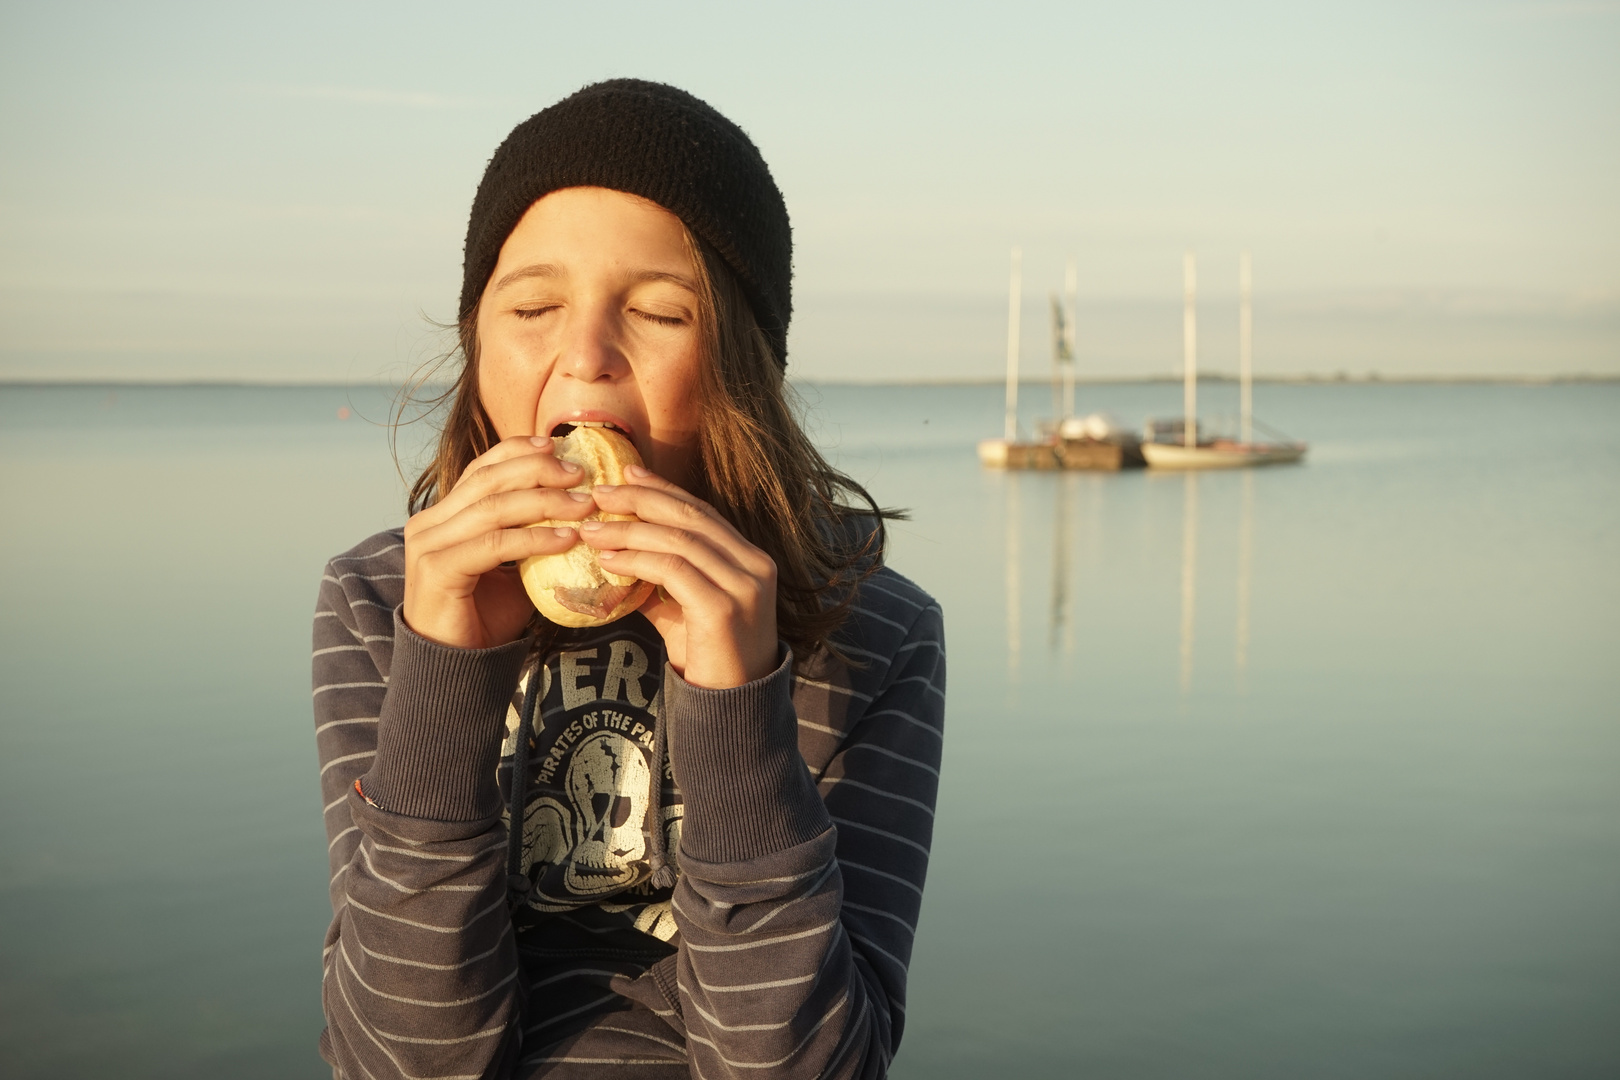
{"points": [[808, 801]]}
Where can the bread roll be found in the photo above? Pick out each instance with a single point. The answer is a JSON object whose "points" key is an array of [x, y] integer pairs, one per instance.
{"points": [[573, 588]]}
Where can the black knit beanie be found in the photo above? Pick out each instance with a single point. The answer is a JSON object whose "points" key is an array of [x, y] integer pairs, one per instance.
{"points": [[658, 142]]}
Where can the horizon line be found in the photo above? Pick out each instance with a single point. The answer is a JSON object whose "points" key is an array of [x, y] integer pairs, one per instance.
{"points": [[1331, 378]]}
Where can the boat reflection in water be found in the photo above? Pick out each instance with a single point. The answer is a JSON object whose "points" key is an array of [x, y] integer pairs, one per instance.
{"points": [[1245, 562], [1189, 580], [1059, 624], [1189, 576], [1014, 584], [1076, 526]]}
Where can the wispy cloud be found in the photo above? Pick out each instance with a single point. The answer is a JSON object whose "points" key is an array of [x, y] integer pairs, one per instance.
{"points": [[363, 95]]}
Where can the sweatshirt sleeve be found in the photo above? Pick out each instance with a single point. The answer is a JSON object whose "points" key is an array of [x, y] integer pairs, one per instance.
{"points": [[420, 968], [797, 905]]}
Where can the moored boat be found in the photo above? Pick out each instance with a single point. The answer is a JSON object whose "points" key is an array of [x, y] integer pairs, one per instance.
{"points": [[1093, 442], [1220, 454], [1179, 444]]}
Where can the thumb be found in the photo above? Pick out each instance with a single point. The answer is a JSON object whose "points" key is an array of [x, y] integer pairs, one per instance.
{"points": [[662, 611], [669, 620]]}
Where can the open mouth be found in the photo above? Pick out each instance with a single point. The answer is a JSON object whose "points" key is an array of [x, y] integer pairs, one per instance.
{"points": [[562, 430]]}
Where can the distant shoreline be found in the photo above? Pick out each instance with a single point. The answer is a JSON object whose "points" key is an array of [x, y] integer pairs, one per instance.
{"points": [[1336, 379], [1223, 377]]}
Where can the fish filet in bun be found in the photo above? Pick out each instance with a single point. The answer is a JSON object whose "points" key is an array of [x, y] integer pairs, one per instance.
{"points": [[573, 588]]}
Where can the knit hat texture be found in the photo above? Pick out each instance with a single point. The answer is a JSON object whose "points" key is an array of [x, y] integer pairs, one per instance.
{"points": [[663, 144]]}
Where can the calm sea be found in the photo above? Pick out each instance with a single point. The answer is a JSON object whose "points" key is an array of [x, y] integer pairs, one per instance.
{"points": [[1303, 772]]}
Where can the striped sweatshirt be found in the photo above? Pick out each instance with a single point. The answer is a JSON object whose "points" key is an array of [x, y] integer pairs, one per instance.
{"points": [[796, 810]]}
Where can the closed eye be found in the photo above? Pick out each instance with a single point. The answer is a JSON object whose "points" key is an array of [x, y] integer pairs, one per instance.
{"points": [[661, 320], [533, 312]]}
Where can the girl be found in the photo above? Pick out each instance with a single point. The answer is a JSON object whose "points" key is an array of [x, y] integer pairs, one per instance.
{"points": [[690, 841]]}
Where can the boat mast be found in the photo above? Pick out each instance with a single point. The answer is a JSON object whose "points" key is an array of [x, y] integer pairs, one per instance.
{"points": [[1060, 339], [1245, 344], [1014, 297], [1071, 288], [1189, 349]]}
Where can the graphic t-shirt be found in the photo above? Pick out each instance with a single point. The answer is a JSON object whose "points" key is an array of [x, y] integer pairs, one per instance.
{"points": [[590, 776]]}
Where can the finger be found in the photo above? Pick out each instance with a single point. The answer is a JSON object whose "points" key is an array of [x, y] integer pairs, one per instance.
{"points": [[506, 449], [524, 457], [611, 538], [471, 559], [512, 463], [639, 477], [666, 504], [513, 471], [502, 510], [682, 582]]}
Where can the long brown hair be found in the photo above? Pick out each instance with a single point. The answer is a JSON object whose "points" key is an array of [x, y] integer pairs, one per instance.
{"points": [[759, 469]]}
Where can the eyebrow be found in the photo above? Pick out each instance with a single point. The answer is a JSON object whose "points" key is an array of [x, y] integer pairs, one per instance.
{"points": [[551, 270], [537, 270]]}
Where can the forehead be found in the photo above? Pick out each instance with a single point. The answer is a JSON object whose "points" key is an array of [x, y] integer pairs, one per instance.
{"points": [[584, 228]]}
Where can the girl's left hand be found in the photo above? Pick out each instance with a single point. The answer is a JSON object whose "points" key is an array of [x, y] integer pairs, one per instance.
{"points": [[716, 605]]}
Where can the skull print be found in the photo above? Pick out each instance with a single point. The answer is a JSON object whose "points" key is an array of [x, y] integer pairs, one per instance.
{"points": [[607, 783]]}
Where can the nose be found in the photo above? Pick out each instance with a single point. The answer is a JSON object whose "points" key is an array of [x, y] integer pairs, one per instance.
{"points": [[591, 349]]}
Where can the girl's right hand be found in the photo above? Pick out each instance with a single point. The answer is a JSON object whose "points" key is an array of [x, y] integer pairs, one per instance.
{"points": [[457, 592]]}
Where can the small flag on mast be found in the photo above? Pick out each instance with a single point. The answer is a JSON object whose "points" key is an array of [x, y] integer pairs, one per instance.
{"points": [[1062, 332]]}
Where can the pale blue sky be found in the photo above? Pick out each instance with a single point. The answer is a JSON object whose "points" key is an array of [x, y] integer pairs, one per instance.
{"points": [[279, 191]]}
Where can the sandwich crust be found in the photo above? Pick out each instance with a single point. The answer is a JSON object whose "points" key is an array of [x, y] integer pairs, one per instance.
{"points": [[573, 588]]}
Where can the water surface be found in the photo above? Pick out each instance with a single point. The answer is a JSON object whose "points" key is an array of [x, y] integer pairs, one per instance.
{"points": [[1299, 772]]}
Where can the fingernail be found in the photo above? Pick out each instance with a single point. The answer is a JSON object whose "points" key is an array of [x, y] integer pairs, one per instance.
{"points": [[563, 532], [579, 496], [638, 472], [605, 555], [590, 526], [541, 441], [569, 466], [607, 487]]}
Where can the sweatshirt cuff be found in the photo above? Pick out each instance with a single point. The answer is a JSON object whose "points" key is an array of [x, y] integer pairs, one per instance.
{"points": [[735, 753], [440, 731]]}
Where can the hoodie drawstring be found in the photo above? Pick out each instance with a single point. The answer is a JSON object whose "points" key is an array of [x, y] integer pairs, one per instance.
{"points": [[517, 882], [663, 874]]}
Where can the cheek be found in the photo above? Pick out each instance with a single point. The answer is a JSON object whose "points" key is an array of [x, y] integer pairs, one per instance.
{"points": [[674, 395], [509, 395], [672, 407]]}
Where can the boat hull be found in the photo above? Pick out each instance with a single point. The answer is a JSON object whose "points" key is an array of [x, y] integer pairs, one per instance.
{"points": [[1076, 454], [1235, 456]]}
